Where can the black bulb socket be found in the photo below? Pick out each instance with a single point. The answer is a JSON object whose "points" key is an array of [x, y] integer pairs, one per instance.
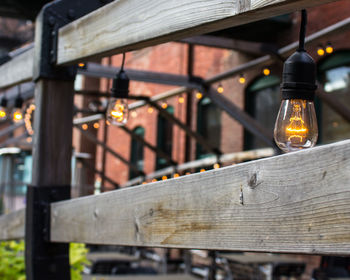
{"points": [[299, 77], [120, 88], [18, 102], [3, 102]]}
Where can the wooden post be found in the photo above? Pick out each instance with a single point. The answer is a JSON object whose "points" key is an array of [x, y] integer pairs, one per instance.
{"points": [[51, 178]]}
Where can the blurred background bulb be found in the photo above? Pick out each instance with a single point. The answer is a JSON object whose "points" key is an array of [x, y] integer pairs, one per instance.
{"points": [[17, 115], [296, 125], [117, 111], [3, 109]]}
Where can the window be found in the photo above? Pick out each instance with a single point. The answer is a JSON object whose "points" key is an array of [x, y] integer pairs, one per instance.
{"points": [[262, 102], [208, 125], [334, 77], [136, 153], [164, 138]]}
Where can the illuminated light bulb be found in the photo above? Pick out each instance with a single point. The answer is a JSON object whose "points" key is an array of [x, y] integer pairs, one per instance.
{"points": [[181, 100], [150, 110], [241, 79], [117, 111], [216, 166], [84, 126], [187, 173], [176, 175], [164, 178], [220, 89], [329, 48], [29, 139], [199, 95], [144, 183], [164, 105], [134, 114], [96, 125], [296, 123], [154, 180], [320, 51], [202, 170], [266, 71], [107, 122], [81, 65], [17, 115]]}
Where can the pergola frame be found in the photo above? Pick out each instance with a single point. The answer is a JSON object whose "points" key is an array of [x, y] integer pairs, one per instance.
{"points": [[297, 203]]}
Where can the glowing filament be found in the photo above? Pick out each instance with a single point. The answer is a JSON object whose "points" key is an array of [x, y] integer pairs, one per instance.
{"points": [[296, 130], [118, 112]]}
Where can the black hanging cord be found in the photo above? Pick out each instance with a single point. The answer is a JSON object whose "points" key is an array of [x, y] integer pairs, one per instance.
{"points": [[302, 30], [123, 62]]}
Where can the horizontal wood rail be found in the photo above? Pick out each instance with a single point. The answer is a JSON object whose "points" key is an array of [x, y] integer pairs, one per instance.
{"points": [[116, 28], [296, 203], [12, 225]]}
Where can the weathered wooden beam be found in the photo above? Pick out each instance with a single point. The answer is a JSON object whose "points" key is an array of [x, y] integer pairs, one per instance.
{"points": [[116, 28], [102, 71], [226, 43], [17, 70], [13, 140], [242, 117], [295, 203], [199, 138], [12, 225], [11, 128], [92, 137]]}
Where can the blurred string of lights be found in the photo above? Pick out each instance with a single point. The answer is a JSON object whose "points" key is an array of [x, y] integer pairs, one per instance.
{"points": [[328, 49], [28, 118]]}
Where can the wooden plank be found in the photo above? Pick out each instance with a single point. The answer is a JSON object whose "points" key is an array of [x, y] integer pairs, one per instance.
{"points": [[129, 25], [140, 277], [18, 70], [112, 256], [296, 203], [260, 259], [12, 225]]}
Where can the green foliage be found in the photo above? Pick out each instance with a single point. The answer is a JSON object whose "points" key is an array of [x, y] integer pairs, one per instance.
{"points": [[77, 259], [12, 260], [12, 265]]}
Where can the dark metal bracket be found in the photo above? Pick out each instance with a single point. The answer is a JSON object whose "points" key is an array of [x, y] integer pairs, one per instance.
{"points": [[52, 17], [44, 260]]}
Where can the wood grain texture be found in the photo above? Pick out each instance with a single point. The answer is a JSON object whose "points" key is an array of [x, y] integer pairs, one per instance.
{"points": [[126, 25], [18, 70], [297, 203], [12, 225], [52, 142]]}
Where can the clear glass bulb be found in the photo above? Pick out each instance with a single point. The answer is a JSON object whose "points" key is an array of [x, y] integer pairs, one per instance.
{"points": [[117, 111], [17, 115], [296, 125], [3, 113]]}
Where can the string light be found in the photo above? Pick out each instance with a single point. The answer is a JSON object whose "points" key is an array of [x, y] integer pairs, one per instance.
{"points": [[164, 105], [220, 89], [3, 108], [187, 173], [181, 99], [144, 183], [202, 170], [164, 178], [199, 95], [29, 139], [216, 166], [329, 48], [296, 123], [107, 122], [320, 51], [154, 180], [266, 71], [84, 126], [82, 65], [96, 125], [134, 114], [241, 79], [17, 114], [176, 175], [117, 109], [150, 110], [28, 118]]}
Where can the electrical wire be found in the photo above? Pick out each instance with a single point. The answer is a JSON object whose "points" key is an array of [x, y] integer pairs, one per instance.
{"points": [[302, 30], [123, 62]]}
